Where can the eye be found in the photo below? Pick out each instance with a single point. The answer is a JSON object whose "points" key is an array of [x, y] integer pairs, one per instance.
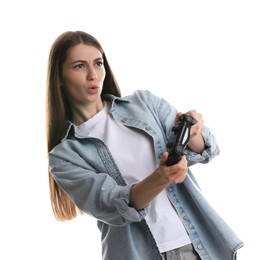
{"points": [[79, 66], [99, 63]]}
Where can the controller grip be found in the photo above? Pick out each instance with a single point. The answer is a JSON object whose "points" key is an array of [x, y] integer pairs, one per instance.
{"points": [[175, 156], [173, 159], [182, 137]]}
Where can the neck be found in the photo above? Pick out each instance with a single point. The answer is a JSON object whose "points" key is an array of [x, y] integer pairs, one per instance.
{"points": [[82, 114]]}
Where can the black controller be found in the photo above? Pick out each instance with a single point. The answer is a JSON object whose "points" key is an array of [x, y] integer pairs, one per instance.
{"points": [[182, 137]]}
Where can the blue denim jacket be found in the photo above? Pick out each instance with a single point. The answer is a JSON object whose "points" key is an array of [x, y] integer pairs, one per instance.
{"points": [[86, 170]]}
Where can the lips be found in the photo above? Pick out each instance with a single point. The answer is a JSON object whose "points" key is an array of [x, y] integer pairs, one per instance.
{"points": [[93, 90], [94, 86]]}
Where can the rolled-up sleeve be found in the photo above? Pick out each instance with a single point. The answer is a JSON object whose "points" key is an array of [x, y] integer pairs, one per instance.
{"points": [[211, 149], [96, 194]]}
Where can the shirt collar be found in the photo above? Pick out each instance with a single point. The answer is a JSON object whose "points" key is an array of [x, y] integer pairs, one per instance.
{"points": [[69, 126]]}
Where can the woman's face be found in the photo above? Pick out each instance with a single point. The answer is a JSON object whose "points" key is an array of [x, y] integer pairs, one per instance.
{"points": [[83, 74]]}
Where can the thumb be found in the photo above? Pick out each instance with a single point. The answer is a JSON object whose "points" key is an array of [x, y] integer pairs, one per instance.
{"points": [[164, 158]]}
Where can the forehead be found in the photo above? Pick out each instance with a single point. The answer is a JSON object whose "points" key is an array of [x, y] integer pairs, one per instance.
{"points": [[83, 52]]}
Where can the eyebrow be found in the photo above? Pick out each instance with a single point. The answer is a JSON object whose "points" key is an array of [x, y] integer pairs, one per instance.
{"points": [[84, 61]]}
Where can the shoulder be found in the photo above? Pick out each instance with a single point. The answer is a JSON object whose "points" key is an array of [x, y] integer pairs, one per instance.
{"points": [[140, 94], [144, 95]]}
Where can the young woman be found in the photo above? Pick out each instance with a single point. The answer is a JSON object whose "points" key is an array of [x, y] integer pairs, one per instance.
{"points": [[108, 159]]}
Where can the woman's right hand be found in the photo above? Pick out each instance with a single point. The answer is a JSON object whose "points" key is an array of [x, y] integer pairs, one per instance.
{"points": [[175, 173]]}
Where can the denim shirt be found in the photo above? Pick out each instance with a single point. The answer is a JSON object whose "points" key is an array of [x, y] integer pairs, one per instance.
{"points": [[85, 169]]}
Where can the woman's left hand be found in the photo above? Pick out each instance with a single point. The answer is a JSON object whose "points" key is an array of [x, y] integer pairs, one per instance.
{"points": [[196, 142]]}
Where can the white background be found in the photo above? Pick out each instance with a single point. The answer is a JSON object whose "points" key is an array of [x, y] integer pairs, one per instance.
{"points": [[218, 57]]}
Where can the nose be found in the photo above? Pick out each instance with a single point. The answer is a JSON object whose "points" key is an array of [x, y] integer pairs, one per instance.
{"points": [[91, 75]]}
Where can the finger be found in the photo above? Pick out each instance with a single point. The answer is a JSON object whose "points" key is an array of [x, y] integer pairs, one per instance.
{"points": [[178, 115], [177, 177], [177, 172], [164, 158], [195, 114]]}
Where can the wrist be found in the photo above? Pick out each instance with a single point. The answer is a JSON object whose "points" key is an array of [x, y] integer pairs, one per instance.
{"points": [[196, 143]]}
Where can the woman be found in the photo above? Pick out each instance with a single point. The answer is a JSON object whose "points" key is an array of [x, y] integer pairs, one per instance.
{"points": [[108, 156]]}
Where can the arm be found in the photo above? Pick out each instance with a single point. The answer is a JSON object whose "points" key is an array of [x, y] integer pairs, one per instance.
{"points": [[202, 146], [143, 192], [95, 193]]}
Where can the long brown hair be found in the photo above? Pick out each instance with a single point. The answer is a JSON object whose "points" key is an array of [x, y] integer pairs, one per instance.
{"points": [[58, 108]]}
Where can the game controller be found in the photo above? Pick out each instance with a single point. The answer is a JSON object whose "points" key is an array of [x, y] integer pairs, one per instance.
{"points": [[182, 137]]}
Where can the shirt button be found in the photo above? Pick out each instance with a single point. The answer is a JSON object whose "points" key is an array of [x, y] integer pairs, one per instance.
{"points": [[170, 189], [199, 247], [185, 218], [147, 128]]}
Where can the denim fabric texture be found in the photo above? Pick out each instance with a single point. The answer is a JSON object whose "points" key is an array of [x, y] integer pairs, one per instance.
{"points": [[86, 170]]}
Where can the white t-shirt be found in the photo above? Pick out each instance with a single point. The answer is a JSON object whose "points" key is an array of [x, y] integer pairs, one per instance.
{"points": [[134, 154]]}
